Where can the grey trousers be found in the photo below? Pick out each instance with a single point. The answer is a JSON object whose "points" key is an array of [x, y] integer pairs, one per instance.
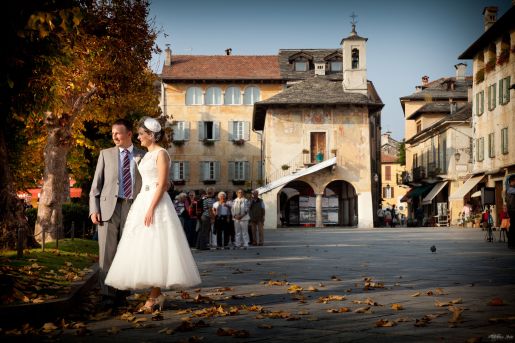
{"points": [[109, 234]]}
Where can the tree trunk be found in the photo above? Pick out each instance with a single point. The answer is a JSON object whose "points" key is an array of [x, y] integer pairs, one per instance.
{"points": [[12, 213], [55, 178]]}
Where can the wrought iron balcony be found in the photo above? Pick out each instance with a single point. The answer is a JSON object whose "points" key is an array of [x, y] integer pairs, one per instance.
{"points": [[404, 178], [432, 169]]}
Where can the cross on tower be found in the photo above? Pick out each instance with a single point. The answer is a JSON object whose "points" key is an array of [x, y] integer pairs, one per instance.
{"points": [[354, 21]]}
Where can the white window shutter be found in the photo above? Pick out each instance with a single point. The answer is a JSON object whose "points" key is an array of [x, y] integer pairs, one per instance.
{"points": [[201, 130], [231, 130], [204, 170], [217, 170], [186, 170], [216, 130], [246, 170], [231, 166], [246, 130], [186, 131], [171, 171]]}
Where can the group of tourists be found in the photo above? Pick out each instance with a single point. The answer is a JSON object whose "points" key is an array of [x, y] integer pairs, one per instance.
{"points": [[229, 220], [389, 217]]}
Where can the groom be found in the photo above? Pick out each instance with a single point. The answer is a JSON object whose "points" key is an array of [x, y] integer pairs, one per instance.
{"points": [[115, 185]]}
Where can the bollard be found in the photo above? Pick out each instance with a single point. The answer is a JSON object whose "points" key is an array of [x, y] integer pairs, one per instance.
{"points": [[73, 230]]}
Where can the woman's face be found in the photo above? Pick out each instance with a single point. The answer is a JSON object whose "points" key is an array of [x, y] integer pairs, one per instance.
{"points": [[144, 138], [239, 194], [221, 197]]}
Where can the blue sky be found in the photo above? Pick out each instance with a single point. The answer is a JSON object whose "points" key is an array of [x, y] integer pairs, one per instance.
{"points": [[406, 39]]}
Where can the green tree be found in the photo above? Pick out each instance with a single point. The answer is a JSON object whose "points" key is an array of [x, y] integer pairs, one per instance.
{"points": [[92, 67]]}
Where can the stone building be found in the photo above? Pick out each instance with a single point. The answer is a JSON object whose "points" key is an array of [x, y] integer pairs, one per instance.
{"points": [[321, 139], [437, 129], [493, 119], [392, 188], [210, 99]]}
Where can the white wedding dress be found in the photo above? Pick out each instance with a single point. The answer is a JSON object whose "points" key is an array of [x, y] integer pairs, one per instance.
{"points": [[157, 255]]}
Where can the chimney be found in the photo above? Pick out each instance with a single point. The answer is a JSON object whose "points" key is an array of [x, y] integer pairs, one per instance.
{"points": [[489, 16], [425, 80], [168, 55], [228, 52], [461, 68], [319, 68]]}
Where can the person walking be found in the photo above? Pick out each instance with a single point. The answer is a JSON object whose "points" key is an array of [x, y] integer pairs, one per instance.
{"points": [[257, 218], [116, 183], [240, 214], [510, 205], [153, 251], [222, 213], [206, 219]]}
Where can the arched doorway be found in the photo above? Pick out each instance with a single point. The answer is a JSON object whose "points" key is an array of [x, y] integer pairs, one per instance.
{"points": [[340, 204], [296, 204]]}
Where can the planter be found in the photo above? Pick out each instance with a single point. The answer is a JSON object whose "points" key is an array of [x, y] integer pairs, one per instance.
{"points": [[179, 182], [238, 142], [208, 142], [504, 56], [238, 182], [285, 167], [480, 76], [490, 65], [305, 151], [209, 182]]}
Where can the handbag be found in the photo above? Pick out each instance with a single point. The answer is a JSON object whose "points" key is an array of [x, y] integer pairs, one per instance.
{"points": [[505, 223]]}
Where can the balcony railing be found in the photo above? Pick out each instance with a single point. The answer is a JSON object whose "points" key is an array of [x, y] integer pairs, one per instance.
{"points": [[433, 169], [419, 173]]}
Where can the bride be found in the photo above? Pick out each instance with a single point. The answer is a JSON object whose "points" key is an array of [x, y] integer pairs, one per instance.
{"points": [[153, 251]]}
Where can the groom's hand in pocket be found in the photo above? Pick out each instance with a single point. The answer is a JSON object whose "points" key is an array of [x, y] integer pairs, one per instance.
{"points": [[95, 218]]}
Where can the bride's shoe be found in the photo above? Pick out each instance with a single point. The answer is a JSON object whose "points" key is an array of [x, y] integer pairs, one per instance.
{"points": [[158, 301]]}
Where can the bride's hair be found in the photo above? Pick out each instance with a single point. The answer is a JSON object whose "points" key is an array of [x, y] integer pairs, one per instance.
{"points": [[159, 136]]}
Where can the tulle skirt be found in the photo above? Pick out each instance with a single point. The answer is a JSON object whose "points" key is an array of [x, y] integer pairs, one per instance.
{"points": [[153, 256]]}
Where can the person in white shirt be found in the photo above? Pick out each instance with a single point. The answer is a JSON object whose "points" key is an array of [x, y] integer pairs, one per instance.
{"points": [[240, 214]]}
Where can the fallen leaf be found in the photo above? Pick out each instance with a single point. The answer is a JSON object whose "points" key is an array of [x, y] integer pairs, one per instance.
{"points": [[49, 327], [383, 323], [232, 332], [295, 289], [365, 309], [416, 294], [456, 315], [328, 298], [397, 307], [114, 330], [367, 301], [277, 283], [339, 310], [312, 289], [335, 278], [303, 313], [496, 302]]}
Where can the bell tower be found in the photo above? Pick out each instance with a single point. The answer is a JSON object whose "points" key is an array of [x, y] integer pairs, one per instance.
{"points": [[354, 61]]}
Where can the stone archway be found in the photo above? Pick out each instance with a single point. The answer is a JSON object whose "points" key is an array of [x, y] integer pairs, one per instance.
{"points": [[340, 204], [296, 204]]}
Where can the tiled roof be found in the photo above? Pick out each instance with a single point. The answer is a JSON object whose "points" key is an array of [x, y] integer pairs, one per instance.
{"points": [[442, 107], [499, 28], [318, 56], [463, 114], [389, 158], [440, 89], [315, 91], [226, 67]]}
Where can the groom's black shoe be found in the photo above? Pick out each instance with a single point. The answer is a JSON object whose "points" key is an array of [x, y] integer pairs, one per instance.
{"points": [[120, 299], [107, 302]]}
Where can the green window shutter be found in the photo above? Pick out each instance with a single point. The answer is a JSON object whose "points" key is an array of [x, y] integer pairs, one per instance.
{"points": [[217, 169], [231, 166], [201, 131], [507, 90], [231, 130], [186, 170]]}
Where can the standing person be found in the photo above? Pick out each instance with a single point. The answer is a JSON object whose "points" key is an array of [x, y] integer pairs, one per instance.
{"points": [[505, 223], [510, 205], [115, 185], [222, 213], [257, 218], [388, 217], [240, 213], [395, 219], [191, 220], [153, 251], [206, 219], [231, 196], [180, 208], [380, 216]]}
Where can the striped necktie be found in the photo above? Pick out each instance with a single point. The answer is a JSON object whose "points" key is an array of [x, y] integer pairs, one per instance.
{"points": [[126, 175]]}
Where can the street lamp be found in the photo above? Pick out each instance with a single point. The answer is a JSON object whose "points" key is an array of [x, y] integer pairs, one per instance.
{"points": [[457, 156]]}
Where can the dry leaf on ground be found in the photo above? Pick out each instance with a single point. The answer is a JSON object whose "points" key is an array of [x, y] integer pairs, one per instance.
{"points": [[383, 323], [496, 302], [328, 298], [339, 310], [232, 332], [397, 307]]}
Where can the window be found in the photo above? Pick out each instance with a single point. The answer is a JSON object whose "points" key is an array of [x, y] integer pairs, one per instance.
{"points": [[239, 130], [251, 95], [388, 192], [480, 103], [419, 126], [232, 96], [504, 140], [239, 171], [480, 149], [208, 130], [194, 96], [213, 96], [210, 170], [180, 170], [301, 65], [504, 90], [181, 131], [387, 173], [355, 58], [336, 65], [492, 96], [491, 145]]}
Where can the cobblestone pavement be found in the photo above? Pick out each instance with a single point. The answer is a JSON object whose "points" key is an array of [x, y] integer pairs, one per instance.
{"points": [[351, 280]]}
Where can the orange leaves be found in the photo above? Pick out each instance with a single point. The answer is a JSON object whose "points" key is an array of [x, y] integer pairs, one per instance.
{"points": [[276, 283], [369, 284], [496, 302], [295, 289], [232, 332], [397, 307], [339, 310], [383, 323], [448, 303], [329, 298]]}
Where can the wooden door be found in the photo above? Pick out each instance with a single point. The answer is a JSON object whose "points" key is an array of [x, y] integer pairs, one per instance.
{"points": [[317, 144]]}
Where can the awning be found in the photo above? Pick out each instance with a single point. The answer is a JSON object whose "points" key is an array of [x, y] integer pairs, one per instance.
{"points": [[466, 187], [434, 192], [476, 194], [416, 192], [288, 178]]}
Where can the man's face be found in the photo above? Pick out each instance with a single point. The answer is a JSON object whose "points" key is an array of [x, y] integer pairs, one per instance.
{"points": [[121, 136], [512, 183]]}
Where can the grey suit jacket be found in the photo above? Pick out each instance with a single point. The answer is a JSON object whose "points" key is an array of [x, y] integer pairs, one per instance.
{"points": [[105, 187]]}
